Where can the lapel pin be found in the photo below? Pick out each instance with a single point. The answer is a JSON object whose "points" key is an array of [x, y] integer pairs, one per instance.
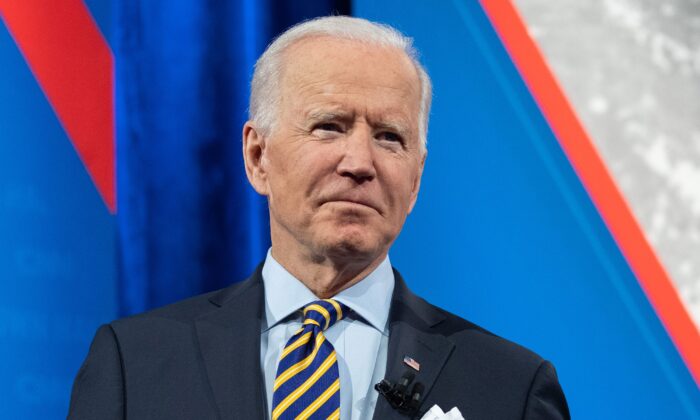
{"points": [[412, 363]]}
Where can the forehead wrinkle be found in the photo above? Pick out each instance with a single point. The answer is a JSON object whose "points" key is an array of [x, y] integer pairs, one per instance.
{"points": [[341, 104], [345, 84], [344, 95]]}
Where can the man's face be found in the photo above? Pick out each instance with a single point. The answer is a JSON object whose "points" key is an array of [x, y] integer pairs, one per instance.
{"points": [[342, 165]]}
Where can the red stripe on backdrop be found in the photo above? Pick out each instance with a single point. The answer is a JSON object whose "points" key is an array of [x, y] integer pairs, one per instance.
{"points": [[74, 67], [597, 180]]}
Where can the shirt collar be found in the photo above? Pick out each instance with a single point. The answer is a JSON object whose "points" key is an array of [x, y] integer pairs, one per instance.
{"points": [[370, 298]]}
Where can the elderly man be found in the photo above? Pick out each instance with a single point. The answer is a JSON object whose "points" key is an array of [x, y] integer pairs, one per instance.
{"points": [[337, 143]]}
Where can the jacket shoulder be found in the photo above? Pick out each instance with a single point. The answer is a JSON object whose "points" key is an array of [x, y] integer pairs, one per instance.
{"points": [[469, 338], [492, 377], [475, 338], [187, 310], [172, 321]]}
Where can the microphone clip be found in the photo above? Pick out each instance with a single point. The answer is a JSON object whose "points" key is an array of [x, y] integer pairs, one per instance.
{"points": [[397, 393]]}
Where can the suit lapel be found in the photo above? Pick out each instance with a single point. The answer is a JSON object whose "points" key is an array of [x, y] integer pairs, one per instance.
{"points": [[229, 340], [410, 334]]}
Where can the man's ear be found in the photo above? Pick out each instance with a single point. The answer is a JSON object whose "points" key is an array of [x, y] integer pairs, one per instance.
{"points": [[416, 183], [254, 157]]}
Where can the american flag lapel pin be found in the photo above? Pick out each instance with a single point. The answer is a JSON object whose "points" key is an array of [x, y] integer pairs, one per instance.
{"points": [[412, 363]]}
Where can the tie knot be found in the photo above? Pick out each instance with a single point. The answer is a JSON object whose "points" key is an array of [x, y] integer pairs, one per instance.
{"points": [[324, 313]]}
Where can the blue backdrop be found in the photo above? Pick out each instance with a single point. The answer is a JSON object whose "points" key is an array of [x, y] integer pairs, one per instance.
{"points": [[515, 242], [188, 220], [57, 250]]}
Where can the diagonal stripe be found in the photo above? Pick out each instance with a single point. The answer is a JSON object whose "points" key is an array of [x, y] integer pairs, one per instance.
{"points": [[338, 309], [298, 367], [299, 342], [318, 402], [329, 407], [320, 309], [335, 415], [572, 136], [299, 378], [289, 400], [311, 321], [300, 353], [74, 67]]}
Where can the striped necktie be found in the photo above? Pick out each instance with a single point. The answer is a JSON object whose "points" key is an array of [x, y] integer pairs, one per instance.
{"points": [[307, 383]]}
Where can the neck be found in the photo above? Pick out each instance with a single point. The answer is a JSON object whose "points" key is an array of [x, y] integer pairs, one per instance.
{"points": [[325, 275]]}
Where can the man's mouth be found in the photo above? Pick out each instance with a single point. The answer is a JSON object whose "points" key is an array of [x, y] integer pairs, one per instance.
{"points": [[352, 201]]}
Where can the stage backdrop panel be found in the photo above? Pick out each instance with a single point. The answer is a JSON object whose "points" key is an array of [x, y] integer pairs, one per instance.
{"points": [[505, 234], [57, 244]]}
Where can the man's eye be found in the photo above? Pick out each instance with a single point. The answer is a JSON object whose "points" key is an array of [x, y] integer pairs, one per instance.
{"points": [[389, 136], [328, 127]]}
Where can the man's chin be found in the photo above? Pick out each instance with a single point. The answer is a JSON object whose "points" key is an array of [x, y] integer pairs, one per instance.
{"points": [[352, 247]]}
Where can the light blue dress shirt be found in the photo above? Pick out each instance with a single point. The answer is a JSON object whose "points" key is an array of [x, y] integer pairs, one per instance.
{"points": [[360, 339]]}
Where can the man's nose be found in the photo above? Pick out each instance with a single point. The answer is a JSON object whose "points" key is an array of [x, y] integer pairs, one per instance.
{"points": [[358, 156]]}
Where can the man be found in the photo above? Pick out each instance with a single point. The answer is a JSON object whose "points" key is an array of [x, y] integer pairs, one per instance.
{"points": [[337, 143]]}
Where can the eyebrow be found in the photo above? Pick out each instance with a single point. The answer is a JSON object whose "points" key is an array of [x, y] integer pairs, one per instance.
{"points": [[329, 115], [322, 115], [393, 126]]}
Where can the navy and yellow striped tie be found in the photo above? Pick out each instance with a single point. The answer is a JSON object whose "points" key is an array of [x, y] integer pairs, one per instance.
{"points": [[307, 383]]}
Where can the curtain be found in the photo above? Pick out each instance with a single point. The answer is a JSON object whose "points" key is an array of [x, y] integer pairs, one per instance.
{"points": [[188, 222]]}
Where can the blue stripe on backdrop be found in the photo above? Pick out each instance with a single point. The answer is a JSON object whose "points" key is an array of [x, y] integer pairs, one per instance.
{"points": [[515, 243], [57, 250], [188, 220]]}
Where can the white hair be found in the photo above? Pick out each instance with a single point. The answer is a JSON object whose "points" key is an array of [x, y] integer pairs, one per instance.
{"points": [[265, 87]]}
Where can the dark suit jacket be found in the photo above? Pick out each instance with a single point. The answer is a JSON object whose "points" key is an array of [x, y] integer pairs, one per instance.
{"points": [[200, 359]]}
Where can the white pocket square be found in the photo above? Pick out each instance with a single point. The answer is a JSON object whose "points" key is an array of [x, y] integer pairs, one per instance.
{"points": [[436, 413]]}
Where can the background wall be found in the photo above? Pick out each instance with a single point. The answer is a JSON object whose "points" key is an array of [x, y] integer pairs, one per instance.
{"points": [[506, 232], [516, 241], [632, 71], [58, 253]]}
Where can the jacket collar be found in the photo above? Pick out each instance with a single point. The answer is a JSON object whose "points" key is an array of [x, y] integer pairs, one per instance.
{"points": [[412, 334], [229, 340]]}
